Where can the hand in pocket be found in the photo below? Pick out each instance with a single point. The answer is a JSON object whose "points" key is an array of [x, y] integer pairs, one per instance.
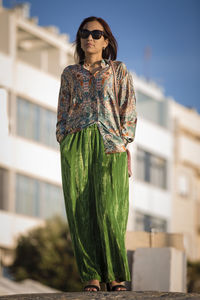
{"points": [[129, 162]]}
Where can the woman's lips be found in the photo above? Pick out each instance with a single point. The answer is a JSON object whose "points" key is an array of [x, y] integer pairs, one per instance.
{"points": [[89, 45]]}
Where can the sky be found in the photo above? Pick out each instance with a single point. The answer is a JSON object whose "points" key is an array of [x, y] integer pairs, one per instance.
{"points": [[157, 39]]}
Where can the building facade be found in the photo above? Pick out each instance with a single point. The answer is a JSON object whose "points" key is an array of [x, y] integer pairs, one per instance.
{"points": [[31, 59], [150, 186], [186, 177]]}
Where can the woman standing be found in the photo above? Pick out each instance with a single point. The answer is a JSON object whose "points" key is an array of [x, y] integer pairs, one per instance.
{"points": [[96, 119]]}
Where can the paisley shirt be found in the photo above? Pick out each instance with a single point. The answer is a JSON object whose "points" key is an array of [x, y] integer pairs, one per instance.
{"points": [[86, 99]]}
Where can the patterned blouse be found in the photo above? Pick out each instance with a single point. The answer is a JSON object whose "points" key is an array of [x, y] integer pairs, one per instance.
{"points": [[86, 99]]}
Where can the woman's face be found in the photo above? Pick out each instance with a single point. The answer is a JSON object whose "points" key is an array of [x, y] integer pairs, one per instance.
{"points": [[90, 45]]}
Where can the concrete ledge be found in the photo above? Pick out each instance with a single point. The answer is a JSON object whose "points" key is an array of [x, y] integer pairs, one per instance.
{"points": [[142, 239], [159, 269], [104, 296]]}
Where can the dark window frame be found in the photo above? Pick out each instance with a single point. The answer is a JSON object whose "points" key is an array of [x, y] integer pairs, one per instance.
{"points": [[32, 123], [150, 165]]}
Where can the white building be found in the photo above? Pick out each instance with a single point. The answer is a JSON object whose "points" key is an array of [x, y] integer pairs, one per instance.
{"points": [[31, 61], [150, 187]]}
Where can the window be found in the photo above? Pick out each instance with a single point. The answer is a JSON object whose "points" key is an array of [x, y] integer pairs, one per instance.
{"points": [[151, 168], [145, 222], [183, 185], [152, 109], [36, 123], [37, 198], [3, 189], [141, 165], [157, 171]]}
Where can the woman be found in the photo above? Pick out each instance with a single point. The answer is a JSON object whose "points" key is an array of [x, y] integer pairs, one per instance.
{"points": [[94, 125]]}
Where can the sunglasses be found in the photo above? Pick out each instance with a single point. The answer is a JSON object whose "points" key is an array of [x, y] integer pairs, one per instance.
{"points": [[96, 34]]}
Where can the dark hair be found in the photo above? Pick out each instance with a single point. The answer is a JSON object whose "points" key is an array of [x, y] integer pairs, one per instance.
{"points": [[110, 52]]}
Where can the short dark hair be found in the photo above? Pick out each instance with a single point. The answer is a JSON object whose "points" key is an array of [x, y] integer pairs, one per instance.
{"points": [[110, 52]]}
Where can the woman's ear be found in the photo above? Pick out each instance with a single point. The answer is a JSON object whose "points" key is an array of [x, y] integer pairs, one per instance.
{"points": [[106, 42]]}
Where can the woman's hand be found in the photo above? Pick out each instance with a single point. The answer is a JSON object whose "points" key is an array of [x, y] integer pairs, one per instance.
{"points": [[129, 162]]}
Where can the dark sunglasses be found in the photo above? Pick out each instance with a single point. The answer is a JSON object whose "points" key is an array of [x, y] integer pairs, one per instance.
{"points": [[96, 34]]}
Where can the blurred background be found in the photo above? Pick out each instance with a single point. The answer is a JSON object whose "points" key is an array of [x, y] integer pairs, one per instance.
{"points": [[159, 42]]}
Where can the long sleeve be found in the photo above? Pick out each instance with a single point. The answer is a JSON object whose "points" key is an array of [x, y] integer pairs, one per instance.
{"points": [[86, 99], [63, 107], [127, 105]]}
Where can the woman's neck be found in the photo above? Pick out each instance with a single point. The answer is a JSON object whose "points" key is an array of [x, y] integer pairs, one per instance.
{"points": [[92, 59]]}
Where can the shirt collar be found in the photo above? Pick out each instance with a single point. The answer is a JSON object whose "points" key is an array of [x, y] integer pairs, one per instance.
{"points": [[104, 63]]}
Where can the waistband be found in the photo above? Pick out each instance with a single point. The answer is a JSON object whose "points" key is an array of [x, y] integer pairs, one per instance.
{"points": [[92, 127]]}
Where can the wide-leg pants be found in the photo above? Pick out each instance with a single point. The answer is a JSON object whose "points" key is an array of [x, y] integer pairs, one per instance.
{"points": [[96, 193]]}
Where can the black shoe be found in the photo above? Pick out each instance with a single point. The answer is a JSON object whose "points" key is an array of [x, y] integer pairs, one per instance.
{"points": [[115, 287], [91, 286]]}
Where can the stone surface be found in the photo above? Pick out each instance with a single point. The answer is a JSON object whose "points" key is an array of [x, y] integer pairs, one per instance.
{"points": [[104, 296]]}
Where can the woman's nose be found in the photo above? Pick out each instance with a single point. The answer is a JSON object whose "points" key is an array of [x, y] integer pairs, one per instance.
{"points": [[90, 37]]}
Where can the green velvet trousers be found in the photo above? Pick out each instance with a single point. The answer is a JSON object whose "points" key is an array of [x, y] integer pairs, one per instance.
{"points": [[96, 193]]}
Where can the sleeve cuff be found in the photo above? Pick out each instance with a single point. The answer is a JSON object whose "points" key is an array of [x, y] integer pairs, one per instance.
{"points": [[60, 137], [127, 140]]}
